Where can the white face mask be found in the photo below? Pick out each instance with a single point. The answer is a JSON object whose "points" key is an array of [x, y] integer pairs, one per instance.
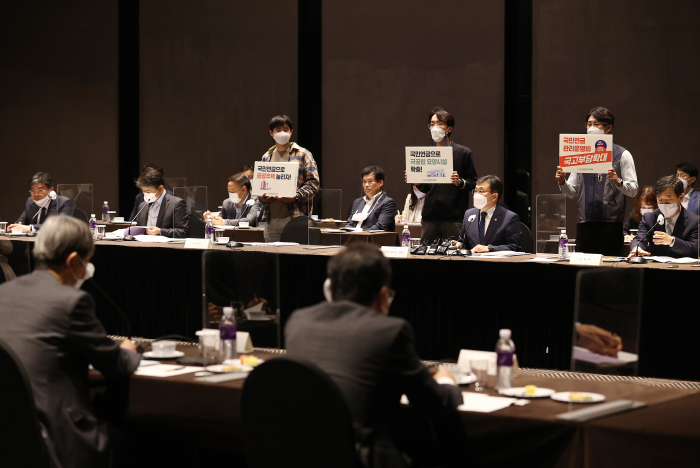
{"points": [[668, 209], [234, 198], [480, 201], [593, 130], [41, 202], [150, 197], [89, 272], [282, 137], [645, 211], [437, 133], [418, 193], [685, 183]]}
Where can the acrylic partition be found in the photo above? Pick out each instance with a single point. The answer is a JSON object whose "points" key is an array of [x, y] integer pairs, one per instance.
{"points": [[172, 182], [550, 212], [188, 219], [81, 196], [251, 278], [324, 227]]}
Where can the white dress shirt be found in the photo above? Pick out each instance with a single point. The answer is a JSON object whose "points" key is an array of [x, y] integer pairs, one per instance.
{"points": [[489, 215], [369, 206], [686, 199]]}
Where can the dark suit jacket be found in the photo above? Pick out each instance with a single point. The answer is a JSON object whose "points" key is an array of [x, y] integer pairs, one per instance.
{"points": [[503, 232], [372, 359], [694, 203], [251, 213], [171, 208], [54, 331], [381, 217], [137, 204], [685, 231], [61, 205]]}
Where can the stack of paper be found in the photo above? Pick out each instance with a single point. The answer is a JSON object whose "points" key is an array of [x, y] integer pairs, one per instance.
{"points": [[165, 370], [481, 403]]}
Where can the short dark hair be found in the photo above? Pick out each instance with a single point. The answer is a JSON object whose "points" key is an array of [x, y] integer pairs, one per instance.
{"points": [[689, 169], [602, 115], [280, 120], [247, 167], [358, 273], [666, 182], [377, 170], [150, 178], [41, 178], [241, 179], [495, 184], [152, 165], [444, 117]]}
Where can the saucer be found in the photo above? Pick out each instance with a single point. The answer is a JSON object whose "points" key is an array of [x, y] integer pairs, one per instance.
{"points": [[176, 354]]}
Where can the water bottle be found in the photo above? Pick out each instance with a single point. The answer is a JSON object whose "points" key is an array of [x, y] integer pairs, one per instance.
{"points": [[227, 332], [505, 349], [209, 230], [405, 236], [563, 241], [93, 226], [105, 213]]}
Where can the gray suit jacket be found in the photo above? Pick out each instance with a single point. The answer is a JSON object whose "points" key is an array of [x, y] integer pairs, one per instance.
{"points": [[61, 205], [250, 213], [373, 361], [172, 207], [54, 331]]}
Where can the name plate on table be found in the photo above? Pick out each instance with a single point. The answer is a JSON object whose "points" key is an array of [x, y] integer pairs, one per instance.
{"points": [[466, 355], [395, 252], [429, 164], [244, 343], [589, 154], [578, 258], [197, 243]]}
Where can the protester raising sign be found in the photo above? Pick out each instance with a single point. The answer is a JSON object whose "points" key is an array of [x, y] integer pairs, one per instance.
{"points": [[590, 154], [275, 179], [429, 164]]}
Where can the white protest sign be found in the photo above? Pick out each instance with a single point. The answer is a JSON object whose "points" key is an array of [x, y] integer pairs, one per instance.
{"points": [[278, 178], [429, 164], [589, 154]]}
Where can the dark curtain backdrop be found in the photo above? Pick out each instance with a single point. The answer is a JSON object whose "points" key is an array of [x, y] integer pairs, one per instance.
{"points": [[640, 59], [58, 104], [387, 64], [213, 74]]}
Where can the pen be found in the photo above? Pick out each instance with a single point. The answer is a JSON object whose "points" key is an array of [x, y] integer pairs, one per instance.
{"points": [[174, 369]]}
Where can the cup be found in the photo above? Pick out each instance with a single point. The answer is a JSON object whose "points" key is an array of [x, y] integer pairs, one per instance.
{"points": [[119, 219], [209, 343], [163, 348], [217, 234], [570, 248], [16, 230], [415, 241], [314, 217], [223, 240], [3, 228], [480, 368], [244, 224], [101, 231]]}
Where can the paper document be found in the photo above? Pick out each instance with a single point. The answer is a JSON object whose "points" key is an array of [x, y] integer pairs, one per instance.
{"points": [[147, 238], [166, 370], [661, 259], [480, 403], [503, 253], [543, 259]]}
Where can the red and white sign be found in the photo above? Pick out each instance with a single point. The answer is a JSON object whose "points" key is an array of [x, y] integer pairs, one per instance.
{"points": [[590, 154]]}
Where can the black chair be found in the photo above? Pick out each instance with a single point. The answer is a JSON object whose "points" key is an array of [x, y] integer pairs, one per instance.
{"points": [[525, 238], [21, 443], [80, 214], [300, 231], [308, 424]]}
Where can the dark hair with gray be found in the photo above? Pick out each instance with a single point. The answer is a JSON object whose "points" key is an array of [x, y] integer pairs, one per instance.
{"points": [[602, 115], [358, 273], [150, 178], [41, 178], [377, 170], [280, 121], [59, 237], [152, 165], [666, 182], [242, 180], [495, 184], [444, 117]]}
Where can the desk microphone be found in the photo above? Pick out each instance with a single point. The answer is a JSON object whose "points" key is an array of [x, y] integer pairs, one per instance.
{"points": [[468, 252], [248, 206], [129, 237], [641, 260]]}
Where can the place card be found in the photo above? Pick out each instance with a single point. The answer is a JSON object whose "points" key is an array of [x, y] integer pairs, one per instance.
{"points": [[197, 243], [578, 258], [244, 343], [395, 252]]}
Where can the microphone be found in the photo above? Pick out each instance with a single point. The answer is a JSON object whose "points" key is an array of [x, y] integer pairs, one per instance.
{"points": [[129, 237], [641, 260], [248, 206], [52, 196], [468, 252]]}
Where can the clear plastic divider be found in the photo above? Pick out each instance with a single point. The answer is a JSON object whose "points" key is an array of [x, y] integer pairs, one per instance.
{"points": [[172, 182], [551, 219], [189, 206], [82, 198], [326, 219]]}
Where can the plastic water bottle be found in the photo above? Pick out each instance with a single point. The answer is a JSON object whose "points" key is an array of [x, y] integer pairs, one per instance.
{"points": [[209, 230], [505, 349], [405, 236], [563, 241], [227, 333], [105, 213], [93, 226]]}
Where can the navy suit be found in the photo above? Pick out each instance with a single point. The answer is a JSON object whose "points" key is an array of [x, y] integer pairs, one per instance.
{"points": [[173, 218], [694, 203], [381, 216], [685, 231], [503, 232], [61, 205]]}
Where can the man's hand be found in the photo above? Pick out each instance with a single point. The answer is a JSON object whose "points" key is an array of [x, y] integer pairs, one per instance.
{"points": [[218, 221], [634, 253], [215, 313], [405, 177], [612, 175], [560, 176], [128, 345], [264, 198], [456, 244], [598, 341], [661, 238], [19, 225], [152, 231], [480, 249], [285, 200], [206, 214], [444, 373], [455, 179]]}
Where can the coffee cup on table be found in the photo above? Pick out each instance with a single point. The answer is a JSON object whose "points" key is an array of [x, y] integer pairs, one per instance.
{"points": [[244, 224], [163, 348], [118, 219]]}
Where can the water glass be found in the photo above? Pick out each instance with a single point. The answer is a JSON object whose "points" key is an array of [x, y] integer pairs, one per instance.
{"points": [[480, 368], [209, 346], [101, 231], [570, 248], [3, 228], [217, 234]]}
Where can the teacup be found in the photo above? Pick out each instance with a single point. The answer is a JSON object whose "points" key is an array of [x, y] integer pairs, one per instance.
{"points": [[119, 219], [223, 240], [244, 224], [163, 348]]}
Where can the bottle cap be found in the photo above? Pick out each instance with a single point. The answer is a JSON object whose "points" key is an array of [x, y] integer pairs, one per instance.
{"points": [[504, 333], [92, 215], [563, 231], [405, 226], [228, 311], [105, 202]]}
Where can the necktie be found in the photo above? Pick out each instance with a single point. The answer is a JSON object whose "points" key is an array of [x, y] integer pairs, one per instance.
{"points": [[42, 215], [482, 226], [669, 228]]}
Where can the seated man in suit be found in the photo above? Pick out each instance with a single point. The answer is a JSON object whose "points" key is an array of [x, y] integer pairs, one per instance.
{"points": [[677, 236], [374, 211], [162, 208], [40, 205], [139, 197], [688, 174], [51, 326], [369, 355], [240, 204], [492, 227]]}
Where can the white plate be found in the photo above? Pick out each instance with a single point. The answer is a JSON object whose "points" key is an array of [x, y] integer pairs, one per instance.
{"points": [[219, 369], [176, 354], [519, 392], [564, 397]]}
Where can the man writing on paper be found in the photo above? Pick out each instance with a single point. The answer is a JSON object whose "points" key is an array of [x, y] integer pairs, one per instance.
{"points": [[677, 235], [492, 227], [374, 211], [166, 215], [240, 204], [40, 205], [278, 210], [369, 355], [688, 174], [601, 199]]}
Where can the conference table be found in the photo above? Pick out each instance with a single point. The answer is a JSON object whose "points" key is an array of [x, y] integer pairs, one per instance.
{"points": [[665, 433], [452, 303]]}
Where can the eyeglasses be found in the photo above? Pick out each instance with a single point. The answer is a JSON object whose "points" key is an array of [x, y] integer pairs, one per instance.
{"points": [[439, 124], [36, 192], [589, 124], [480, 191]]}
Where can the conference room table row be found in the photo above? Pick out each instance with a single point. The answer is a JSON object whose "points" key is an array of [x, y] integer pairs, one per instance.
{"points": [[665, 433], [452, 303]]}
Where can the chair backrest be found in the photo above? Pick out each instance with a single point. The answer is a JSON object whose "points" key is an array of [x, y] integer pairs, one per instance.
{"points": [[298, 230], [525, 238], [80, 214], [21, 443], [312, 424]]}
